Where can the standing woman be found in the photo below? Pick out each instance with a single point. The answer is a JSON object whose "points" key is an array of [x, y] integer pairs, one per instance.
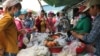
{"points": [[40, 22], [8, 30], [51, 22], [20, 25]]}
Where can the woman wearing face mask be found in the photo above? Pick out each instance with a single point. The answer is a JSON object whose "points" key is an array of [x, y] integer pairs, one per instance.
{"points": [[83, 25], [50, 22], [20, 25], [40, 22], [8, 30]]}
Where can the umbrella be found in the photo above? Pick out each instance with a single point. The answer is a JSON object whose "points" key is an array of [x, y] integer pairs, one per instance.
{"points": [[35, 5], [58, 3]]}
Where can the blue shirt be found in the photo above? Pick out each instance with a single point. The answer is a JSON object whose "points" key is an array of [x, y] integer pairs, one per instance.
{"points": [[28, 23], [94, 35]]}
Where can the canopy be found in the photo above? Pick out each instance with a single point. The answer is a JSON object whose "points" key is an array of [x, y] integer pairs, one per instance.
{"points": [[49, 8], [58, 3]]}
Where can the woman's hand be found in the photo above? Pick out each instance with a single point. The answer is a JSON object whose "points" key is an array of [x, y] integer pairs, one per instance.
{"points": [[76, 35], [22, 31]]}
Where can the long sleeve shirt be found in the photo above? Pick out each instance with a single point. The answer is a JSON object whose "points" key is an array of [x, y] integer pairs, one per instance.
{"points": [[94, 35], [83, 25], [8, 33]]}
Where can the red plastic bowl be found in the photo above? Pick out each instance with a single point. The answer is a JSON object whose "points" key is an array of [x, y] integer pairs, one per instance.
{"points": [[81, 48], [55, 49]]}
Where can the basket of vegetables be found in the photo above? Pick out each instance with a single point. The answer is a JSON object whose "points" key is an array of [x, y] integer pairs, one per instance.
{"points": [[54, 46]]}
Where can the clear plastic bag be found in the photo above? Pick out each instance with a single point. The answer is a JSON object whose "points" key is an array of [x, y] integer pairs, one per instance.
{"points": [[70, 50], [34, 51], [89, 54], [25, 40]]}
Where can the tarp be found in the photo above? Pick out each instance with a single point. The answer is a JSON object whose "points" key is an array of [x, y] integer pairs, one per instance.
{"points": [[58, 3], [49, 8]]}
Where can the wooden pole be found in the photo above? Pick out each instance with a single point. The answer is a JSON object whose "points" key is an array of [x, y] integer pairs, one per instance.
{"points": [[40, 4]]}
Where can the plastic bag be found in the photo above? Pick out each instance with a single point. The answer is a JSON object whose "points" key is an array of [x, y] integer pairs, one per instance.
{"points": [[67, 52], [25, 40], [34, 38], [34, 51], [41, 37], [26, 52], [60, 41], [89, 54], [70, 50], [29, 45]]}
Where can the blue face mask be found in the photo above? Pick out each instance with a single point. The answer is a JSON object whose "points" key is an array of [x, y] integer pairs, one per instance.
{"points": [[82, 15], [17, 14]]}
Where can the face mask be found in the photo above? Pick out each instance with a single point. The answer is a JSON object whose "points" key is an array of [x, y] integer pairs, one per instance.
{"points": [[61, 17], [17, 14], [50, 17], [82, 15]]}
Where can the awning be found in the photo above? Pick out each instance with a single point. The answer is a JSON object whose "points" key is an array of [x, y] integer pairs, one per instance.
{"points": [[49, 8], [58, 3]]}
